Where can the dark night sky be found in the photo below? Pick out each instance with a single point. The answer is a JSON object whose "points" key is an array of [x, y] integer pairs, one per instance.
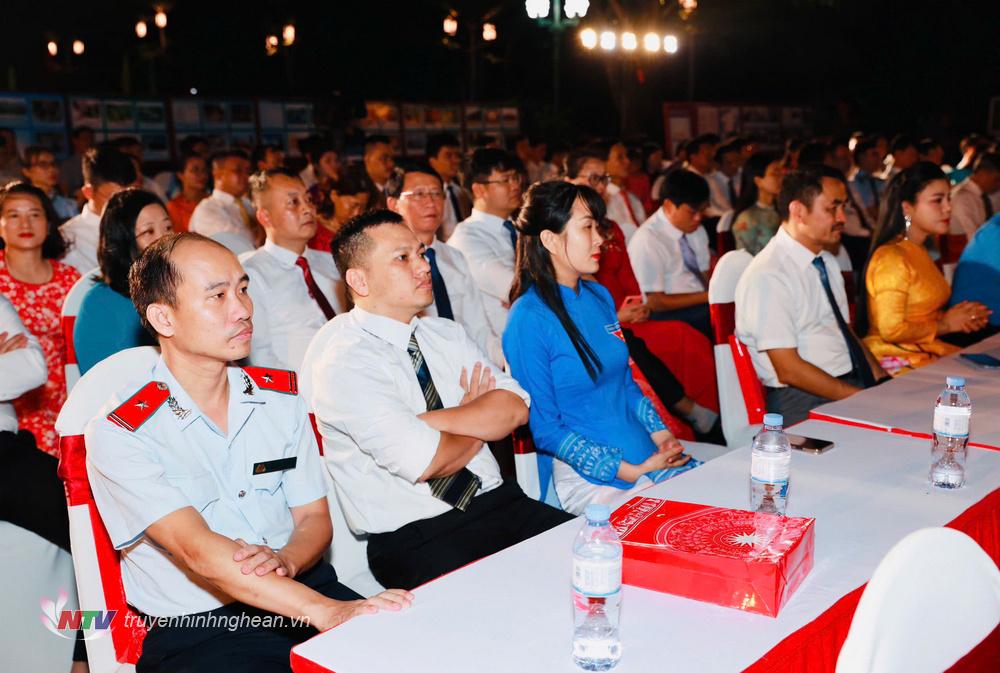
{"points": [[899, 65]]}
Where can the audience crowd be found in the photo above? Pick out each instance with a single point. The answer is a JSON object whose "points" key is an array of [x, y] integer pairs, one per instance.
{"points": [[438, 307]]}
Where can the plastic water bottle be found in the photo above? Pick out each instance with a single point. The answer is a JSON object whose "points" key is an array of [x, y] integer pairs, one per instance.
{"points": [[770, 466], [952, 413], [597, 592]]}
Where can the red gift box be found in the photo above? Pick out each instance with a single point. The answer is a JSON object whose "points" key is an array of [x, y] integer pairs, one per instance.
{"points": [[729, 557]]}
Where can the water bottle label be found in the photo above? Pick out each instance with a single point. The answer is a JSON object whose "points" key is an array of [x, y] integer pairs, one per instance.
{"points": [[952, 421], [770, 468], [594, 577]]}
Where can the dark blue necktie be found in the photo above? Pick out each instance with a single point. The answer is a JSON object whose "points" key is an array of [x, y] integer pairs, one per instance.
{"points": [[509, 226], [859, 364], [441, 299]]}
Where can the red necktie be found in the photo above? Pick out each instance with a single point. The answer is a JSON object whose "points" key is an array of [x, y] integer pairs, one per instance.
{"points": [[314, 290]]}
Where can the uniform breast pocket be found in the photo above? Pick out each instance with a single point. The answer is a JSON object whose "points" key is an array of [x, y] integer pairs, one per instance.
{"points": [[267, 471], [200, 489]]}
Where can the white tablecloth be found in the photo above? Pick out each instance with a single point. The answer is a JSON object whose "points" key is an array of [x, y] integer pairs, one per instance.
{"points": [[511, 611], [907, 403]]}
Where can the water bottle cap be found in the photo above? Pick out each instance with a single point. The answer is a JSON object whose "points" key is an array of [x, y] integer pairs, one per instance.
{"points": [[955, 381], [774, 419], [598, 513]]}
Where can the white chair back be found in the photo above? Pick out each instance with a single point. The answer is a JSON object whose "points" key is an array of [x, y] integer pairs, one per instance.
{"points": [[932, 599], [348, 552], [70, 310], [736, 427], [96, 563]]}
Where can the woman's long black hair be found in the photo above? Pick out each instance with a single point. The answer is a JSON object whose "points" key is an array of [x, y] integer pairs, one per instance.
{"points": [[117, 249], [755, 167], [54, 246], [548, 206], [904, 187]]}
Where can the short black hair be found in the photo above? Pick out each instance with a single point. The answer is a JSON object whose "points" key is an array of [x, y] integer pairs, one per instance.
{"points": [[106, 164], [485, 160], [927, 145], [377, 139], [260, 153], [153, 278], [187, 145], [32, 153], [260, 182], [804, 185], [579, 157], [352, 241], [814, 152], [126, 141], [990, 161], [186, 157], [684, 187], [117, 248], [436, 141], [314, 147], [864, 144], [394, 185], [54, 245], [900, 142], [731, 147], [79, 131], [695, 144], [219, 157]]}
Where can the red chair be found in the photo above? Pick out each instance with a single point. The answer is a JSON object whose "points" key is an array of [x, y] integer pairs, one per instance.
{"points": [[741, 397], [95, 560]]}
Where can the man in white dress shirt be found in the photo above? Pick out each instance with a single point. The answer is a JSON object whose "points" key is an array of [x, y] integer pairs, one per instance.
{"points": [[444, 154], [977, 198], [106, 171], [226, 215], [414, 191], [724, 182], [670, 254], [324, 163], [791, 307], [405, 405], [379, 160], [295, 289], [866, 188], [624, 207], [487, 237]]}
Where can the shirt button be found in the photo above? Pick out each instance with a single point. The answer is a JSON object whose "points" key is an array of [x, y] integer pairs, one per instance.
{"points": [[242, 494], [264, 539]]}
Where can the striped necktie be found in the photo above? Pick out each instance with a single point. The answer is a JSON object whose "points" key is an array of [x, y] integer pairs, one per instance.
{"points": [[457, 489]]}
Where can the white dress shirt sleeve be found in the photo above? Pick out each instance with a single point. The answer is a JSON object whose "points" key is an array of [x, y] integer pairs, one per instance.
{"points": [[966, 212], [648, 263], [357, 395], [471, 312], [767, 313], [23, 369], [494, 273]]}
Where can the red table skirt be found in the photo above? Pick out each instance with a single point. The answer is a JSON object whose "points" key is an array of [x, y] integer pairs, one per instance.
{"points": [[814, 648]]}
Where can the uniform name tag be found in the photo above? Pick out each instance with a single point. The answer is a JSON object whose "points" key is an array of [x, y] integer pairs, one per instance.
{"points": [[274, 465]]}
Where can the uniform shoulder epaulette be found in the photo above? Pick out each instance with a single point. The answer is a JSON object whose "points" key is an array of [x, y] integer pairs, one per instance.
{"points": [[277, 380], [139, 408]]}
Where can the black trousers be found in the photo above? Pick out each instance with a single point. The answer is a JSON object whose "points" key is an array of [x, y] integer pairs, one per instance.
{"points": [[31, 493], [227, 640], [697, 316], [664, 383], [423, 550]]}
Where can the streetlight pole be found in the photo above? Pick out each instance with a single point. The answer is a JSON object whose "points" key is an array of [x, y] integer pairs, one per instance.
{"points": [[557, 25]]}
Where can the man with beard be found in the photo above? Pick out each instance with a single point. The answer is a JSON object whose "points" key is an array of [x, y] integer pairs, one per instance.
{"points": [[791, 307]]}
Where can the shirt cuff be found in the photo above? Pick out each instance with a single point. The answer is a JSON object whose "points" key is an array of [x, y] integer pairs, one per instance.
{"points": [[593, 460]]}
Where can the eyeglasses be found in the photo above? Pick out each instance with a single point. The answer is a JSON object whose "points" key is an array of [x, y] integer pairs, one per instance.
{"points": [[595, 179], [513, 179], [422, 194]]}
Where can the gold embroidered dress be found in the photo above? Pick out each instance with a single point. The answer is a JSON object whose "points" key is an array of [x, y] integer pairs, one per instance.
{"points": [[906, 298]]}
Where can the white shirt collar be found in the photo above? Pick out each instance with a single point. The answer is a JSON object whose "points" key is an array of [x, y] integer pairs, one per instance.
{"points": [[89, 213], [486, 218], [612, 189], [388, 330], [799, 253], [225, 197], [284, 256], [664, 224]]}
